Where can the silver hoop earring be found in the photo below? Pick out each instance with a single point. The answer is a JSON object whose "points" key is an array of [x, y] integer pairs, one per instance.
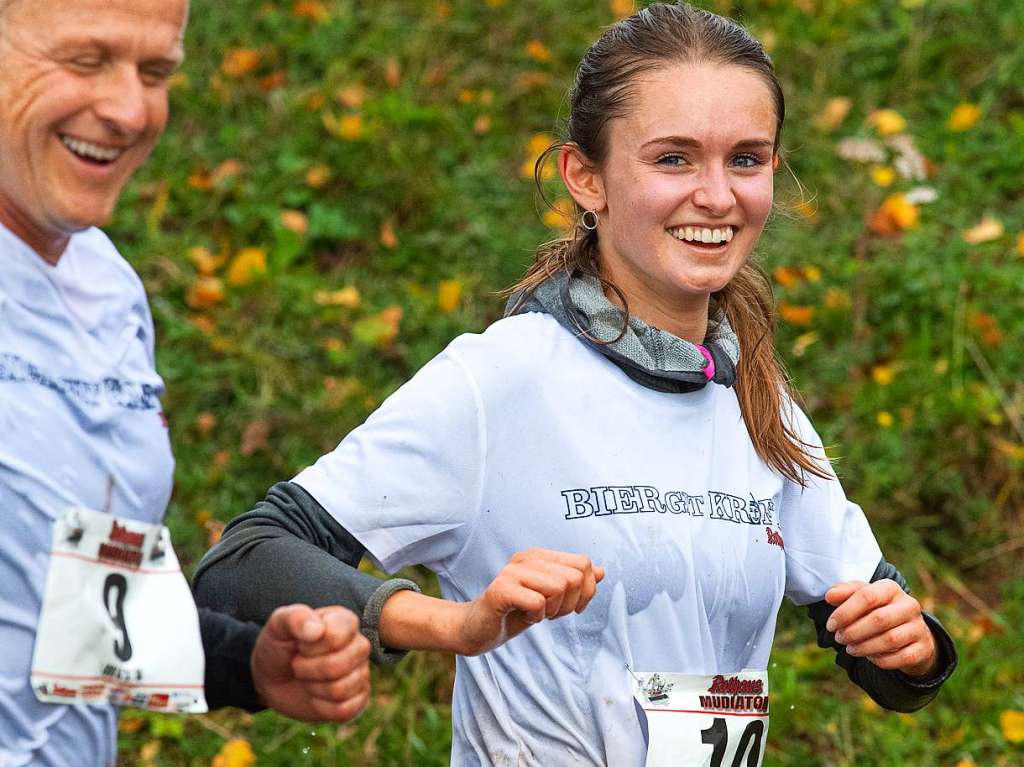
{"points": [[586, 225]]}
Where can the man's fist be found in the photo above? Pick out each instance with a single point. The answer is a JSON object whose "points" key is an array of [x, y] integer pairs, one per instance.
{"points": [[312, 665]]}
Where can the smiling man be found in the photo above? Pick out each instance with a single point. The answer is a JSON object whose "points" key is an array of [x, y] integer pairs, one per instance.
{"points": [[87, 612]]}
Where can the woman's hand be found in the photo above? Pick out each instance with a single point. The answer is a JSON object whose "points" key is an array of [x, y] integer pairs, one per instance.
{"points": [[534, 585], [881, 622]]}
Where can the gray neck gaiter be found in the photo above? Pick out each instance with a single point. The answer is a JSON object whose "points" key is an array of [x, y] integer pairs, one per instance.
{"points": [[651, 357]]}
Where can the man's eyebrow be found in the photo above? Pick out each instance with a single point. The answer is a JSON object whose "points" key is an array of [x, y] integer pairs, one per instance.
{"points": [[173, 58]]}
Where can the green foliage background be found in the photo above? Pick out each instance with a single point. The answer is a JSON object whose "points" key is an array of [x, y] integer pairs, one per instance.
{"points": [[451, 99]]}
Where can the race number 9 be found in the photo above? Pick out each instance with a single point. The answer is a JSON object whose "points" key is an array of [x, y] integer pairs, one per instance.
{"points": [[117, 585], [717, 736]]}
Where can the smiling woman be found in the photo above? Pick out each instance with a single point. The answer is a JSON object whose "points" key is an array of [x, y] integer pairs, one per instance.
{"points": [[627, 415]]}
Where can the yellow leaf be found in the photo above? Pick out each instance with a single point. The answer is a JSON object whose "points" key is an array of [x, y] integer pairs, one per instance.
{"points": [[239, 62], [465, 96], [225, 171], [988, 229], [883, 374], [496, 3], [887, 122], [884, 419], [351, 96], [204, 261], [560, 216], [796, 315], [347, 127], [812, 274], [968, 762], [482, 125], [1020, 244], [206, 292], [963, 117], [539, 142], [833, 114], [1012, 725], [621, 8], [537, 51], [449, 295], [235, 753], [803, 342], [318, 176], [312, 10], [348, 297], [486, 97], [883, 175], [249, 264], [295, 221], [1009, 449], [895, 215], [787, 276], [807, 209], [388, 238], [205, 424], [392, 72], [836, 298]]}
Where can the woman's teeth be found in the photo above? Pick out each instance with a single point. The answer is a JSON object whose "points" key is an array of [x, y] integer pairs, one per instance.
{"points": [[702, 234], [90, 151]]}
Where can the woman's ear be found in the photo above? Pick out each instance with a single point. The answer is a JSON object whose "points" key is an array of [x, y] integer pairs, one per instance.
{"points": [[776, 158], [581, 178]]}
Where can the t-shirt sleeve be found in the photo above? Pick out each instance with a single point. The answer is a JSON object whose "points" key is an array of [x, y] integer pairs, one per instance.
{"points": [[827, 537], [407, 483]]}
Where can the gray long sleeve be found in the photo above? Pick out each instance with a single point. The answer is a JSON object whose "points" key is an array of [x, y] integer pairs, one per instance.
{"points": [[893, 690], [289, 549]]}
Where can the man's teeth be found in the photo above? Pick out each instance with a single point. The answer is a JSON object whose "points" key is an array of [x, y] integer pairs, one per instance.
{"points": [[92, 151], [702, 234]]}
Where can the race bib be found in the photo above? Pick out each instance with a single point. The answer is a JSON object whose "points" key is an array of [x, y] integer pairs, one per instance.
{"points": [[118, 623], [703, 721]]}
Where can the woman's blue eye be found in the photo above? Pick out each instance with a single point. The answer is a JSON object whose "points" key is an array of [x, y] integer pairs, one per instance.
{"points": [[747, 161], [672, 160]]}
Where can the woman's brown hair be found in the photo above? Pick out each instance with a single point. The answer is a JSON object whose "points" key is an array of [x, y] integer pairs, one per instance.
{"points": [[654, 37]]}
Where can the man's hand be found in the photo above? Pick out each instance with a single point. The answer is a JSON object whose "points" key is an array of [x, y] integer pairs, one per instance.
{"points": [[312, 665], [534, 585], [883, 623]]}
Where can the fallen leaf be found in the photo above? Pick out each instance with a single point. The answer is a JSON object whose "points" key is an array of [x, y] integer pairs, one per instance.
{"points": [[347, 127], [561, 214], [203, 259], [621, 8], [796, 315], [312, 10], [482, 125], [205, 293], [388, 238], [537, 51], [295, 221], [351, 96], [787, 276], [861, 150], [214, 530], [205, 424], [239, 62], [884, 419], [379, 329], [988, 229], [836, 298], [203, 323], [807, 210], [887, 122], [449, 295], [883, 374], [348, 297], [1012, 725], [812, 273], [318, 176], [442, 9], [803, 342], [883, 175], [256, 436], [392, 72], [235, 753], [248, 265], [922, 195], [963, 117], [895, 215], [1020, 244], [834, 112], [149, 752], [130, 721], [225, 171]]}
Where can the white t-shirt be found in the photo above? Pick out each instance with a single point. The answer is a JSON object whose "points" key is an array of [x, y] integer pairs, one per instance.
{"points": [[80, 424], [521, 437]]}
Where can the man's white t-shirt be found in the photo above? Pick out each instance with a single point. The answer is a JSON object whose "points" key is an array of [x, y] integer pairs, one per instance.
{"points": [[80, 425], [524, 437]]}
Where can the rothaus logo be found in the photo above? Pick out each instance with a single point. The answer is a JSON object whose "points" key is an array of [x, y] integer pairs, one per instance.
{"points": [[605, 500]]}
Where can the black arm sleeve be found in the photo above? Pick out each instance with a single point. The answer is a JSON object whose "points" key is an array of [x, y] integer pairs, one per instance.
{"points": [[228, 644], [893, 690], [290, 549]]}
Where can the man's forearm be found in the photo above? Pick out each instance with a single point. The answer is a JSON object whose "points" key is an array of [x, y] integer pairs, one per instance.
{"points": [[413, 621]]}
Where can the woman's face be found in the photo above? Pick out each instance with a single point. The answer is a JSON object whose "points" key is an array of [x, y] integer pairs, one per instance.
{"points": [[687, 185]]}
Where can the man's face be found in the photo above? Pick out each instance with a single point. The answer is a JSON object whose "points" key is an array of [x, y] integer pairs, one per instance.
{"points": [[83, 99]]}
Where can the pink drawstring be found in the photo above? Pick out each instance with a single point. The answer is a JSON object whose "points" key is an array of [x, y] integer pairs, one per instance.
{"points": [[709, 368]]}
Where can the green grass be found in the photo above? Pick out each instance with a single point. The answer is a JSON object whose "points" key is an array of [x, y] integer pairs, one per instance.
{"points": [[920, 331]]}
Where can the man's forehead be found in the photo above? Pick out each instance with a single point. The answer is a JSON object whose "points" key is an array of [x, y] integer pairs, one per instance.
{"points": [[142, 14]]}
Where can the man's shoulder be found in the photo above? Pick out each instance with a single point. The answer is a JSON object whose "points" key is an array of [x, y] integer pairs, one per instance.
{"points": [[95, 250]]}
